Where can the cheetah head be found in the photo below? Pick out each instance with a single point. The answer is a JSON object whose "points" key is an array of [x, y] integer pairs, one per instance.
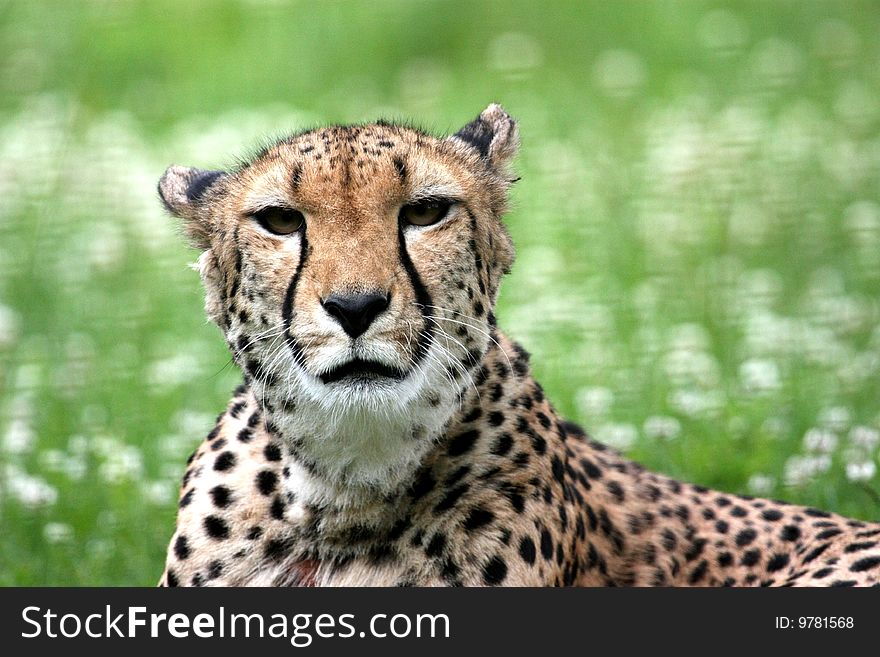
{"points": [[353, 271]]}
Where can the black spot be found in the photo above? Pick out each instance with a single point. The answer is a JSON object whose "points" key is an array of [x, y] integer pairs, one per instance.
{"points": [[220, 495], [246, 435], [451, 498], [225, 461], [254, 533], [494, 571], [738, 512], [218, 445], [496, 418], [858, 547], [216, 527], [790, 533], [816, 513], [823, 572], [590, 469], [272, 452], [266, 482], [503, 443], [616, 491], [237, 408], [828, 533], [171, 578], [751, 557], [777, 562], [527, 550], [181, 547], [423, 485], [463, 442], [841, 583], [473, 415], [539, 444], [457, 476], [399, 527], [695, 550], [546, 545], [215, 569], [669, 540], [721, 527], [558, 469], [865, 564], [277, 508], [772, 515], [276, 547], [186, 499], [698, 573], [214, 433], [436, 545], [816, 553], [515, 497], [725, 559], [745, 537], [477, 518]]}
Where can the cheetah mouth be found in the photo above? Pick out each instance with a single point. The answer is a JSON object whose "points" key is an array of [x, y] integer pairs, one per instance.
{"points": [[361, 369]]}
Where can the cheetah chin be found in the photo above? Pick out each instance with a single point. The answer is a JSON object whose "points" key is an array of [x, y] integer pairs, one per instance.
{"points": [[388, 433]]}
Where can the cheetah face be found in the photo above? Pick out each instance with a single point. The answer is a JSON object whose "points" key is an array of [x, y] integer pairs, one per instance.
{"points": [[355, 267]]}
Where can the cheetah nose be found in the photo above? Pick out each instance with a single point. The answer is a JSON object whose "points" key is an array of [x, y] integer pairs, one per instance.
{"points": [[355, 312]]}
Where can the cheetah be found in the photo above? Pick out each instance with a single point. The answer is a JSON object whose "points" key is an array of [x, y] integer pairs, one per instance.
{"points": [[387, 433]]}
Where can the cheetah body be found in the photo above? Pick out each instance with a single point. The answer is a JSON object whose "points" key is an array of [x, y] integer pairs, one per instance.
{"points": [[440, 461]]}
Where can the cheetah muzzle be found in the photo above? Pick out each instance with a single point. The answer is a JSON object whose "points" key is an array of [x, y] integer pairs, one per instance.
{"points": [[387, 433]]}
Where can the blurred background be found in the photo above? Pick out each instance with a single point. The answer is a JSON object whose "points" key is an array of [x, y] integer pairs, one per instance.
{"points": [[698, 230]]}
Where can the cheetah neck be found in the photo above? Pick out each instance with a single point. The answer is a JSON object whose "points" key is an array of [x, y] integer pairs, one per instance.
{"points": [[349, 455]]}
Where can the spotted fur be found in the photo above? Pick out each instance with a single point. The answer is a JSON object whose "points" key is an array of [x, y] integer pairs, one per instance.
{"points": [[445, 465]]}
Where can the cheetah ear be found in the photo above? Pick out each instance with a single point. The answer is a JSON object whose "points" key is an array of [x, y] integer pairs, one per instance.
{"points": [[493, 134], [183, 191]]}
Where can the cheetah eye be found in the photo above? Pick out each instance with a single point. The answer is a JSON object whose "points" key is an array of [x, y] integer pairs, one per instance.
{"points": [[280, 221], [424, 213]]}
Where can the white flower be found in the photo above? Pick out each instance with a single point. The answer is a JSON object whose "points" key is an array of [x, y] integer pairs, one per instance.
{"points": [[819, 440], [864, 438], [836, 418], [158, 493], [121, 462], [19, 438], [800, 470], [618, 435], [594, 402], [57, 532], [662, 427], [760, 376], [760, 484], [32, 492], [863, 471], [9, 325]]}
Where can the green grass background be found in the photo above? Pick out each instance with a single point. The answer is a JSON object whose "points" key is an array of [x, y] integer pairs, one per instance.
{"points": [[697, 224]]}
